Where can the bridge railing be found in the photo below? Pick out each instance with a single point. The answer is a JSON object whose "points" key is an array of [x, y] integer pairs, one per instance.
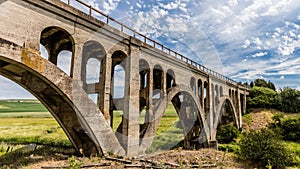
{"points": [[93, 12]]}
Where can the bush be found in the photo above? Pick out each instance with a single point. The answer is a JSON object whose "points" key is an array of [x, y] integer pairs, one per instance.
{"points": [[291, 129], [263, 148], [227, 133], [287, 128]]}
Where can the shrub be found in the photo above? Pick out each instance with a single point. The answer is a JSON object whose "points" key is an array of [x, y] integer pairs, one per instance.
{"points": [[263, 148], [291, 129], [227, 133]]}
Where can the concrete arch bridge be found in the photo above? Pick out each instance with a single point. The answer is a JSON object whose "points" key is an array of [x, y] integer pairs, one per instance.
{"points": [[86, 51]]}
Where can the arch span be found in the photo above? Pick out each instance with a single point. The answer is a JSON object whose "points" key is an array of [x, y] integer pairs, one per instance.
{"points": [[81, 119], [174, 92], [223, 101]]}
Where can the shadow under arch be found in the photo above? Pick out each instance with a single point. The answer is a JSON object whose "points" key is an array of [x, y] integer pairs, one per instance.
{"points": [[225, 101], [59, 94]]}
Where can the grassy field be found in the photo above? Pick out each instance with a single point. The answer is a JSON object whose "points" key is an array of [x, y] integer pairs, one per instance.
{"points": [[27, 121], [7, 106]]}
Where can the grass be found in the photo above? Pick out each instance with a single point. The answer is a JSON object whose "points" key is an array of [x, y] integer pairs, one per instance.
{"points": [[27, 121], [168, 134], [45, 131], [8, 106], [247, 118], [294, 149]]}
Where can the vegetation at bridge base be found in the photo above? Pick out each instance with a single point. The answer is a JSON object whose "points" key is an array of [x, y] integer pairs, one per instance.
{"points": [[264, 149], [227, 133]]}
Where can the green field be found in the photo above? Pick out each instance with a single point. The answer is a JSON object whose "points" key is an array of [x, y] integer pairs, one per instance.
{"points": [[8, 106], [28, 121]]}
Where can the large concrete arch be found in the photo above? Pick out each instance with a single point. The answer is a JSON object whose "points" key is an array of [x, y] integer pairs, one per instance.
{"points": [[182, 88], [81, 119], [223, 100], [172, 92]]}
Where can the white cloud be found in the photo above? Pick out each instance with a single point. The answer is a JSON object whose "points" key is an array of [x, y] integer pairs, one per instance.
{"points": [[176, 25], [260, 54], [246, 44], [110, 5], [232, 2]]}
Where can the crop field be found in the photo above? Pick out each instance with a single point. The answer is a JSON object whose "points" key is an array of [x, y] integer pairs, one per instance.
{"points": [[28, 121]]}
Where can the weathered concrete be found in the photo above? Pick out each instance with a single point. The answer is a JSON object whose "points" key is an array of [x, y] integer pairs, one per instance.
{"points": [[153, 78]]}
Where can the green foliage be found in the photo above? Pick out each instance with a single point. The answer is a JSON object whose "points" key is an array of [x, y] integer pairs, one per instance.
{"points": [[294, 149], [235, 148], [263, 83], [287, 128], [263, 94], [227, 133], [289, 100], [291, 129], [247, 118], [261, 97], [263, 148], [74, 164]]}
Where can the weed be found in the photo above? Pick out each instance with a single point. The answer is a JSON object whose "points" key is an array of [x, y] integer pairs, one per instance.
{"points": [[74, 164]]}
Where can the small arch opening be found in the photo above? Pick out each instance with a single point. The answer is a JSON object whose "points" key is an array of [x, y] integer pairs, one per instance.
{"points": [[193, 84], [170, 79], [200, 89], [118, 78], [144, 76], [64, 60], [157, 82], [60, 46]]}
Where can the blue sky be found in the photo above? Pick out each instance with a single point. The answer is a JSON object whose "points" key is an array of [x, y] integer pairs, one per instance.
{"points": [[243, 40]]}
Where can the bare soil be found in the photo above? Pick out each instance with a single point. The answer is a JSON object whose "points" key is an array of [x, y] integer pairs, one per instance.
{"points": [[261, 118], [204, 158]]}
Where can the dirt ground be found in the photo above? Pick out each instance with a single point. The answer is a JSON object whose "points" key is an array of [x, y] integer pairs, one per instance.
{"points": [[261, 118], [204, 158]]}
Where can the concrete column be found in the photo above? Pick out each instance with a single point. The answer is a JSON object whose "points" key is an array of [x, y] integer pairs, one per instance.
{"points": [[202, 95], [107, 86], [164, 75], [239, 111], [152, 118], [210, 98], [77, 62], [131, 126], [245, 103]]}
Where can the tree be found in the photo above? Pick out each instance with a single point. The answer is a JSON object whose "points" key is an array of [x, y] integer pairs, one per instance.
{"points": [[290, 101], [260, 83], [262, 97], [251, 84], [271, 85]]}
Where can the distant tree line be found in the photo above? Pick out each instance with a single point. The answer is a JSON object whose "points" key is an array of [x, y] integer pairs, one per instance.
{"points": [[264, 94]]}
